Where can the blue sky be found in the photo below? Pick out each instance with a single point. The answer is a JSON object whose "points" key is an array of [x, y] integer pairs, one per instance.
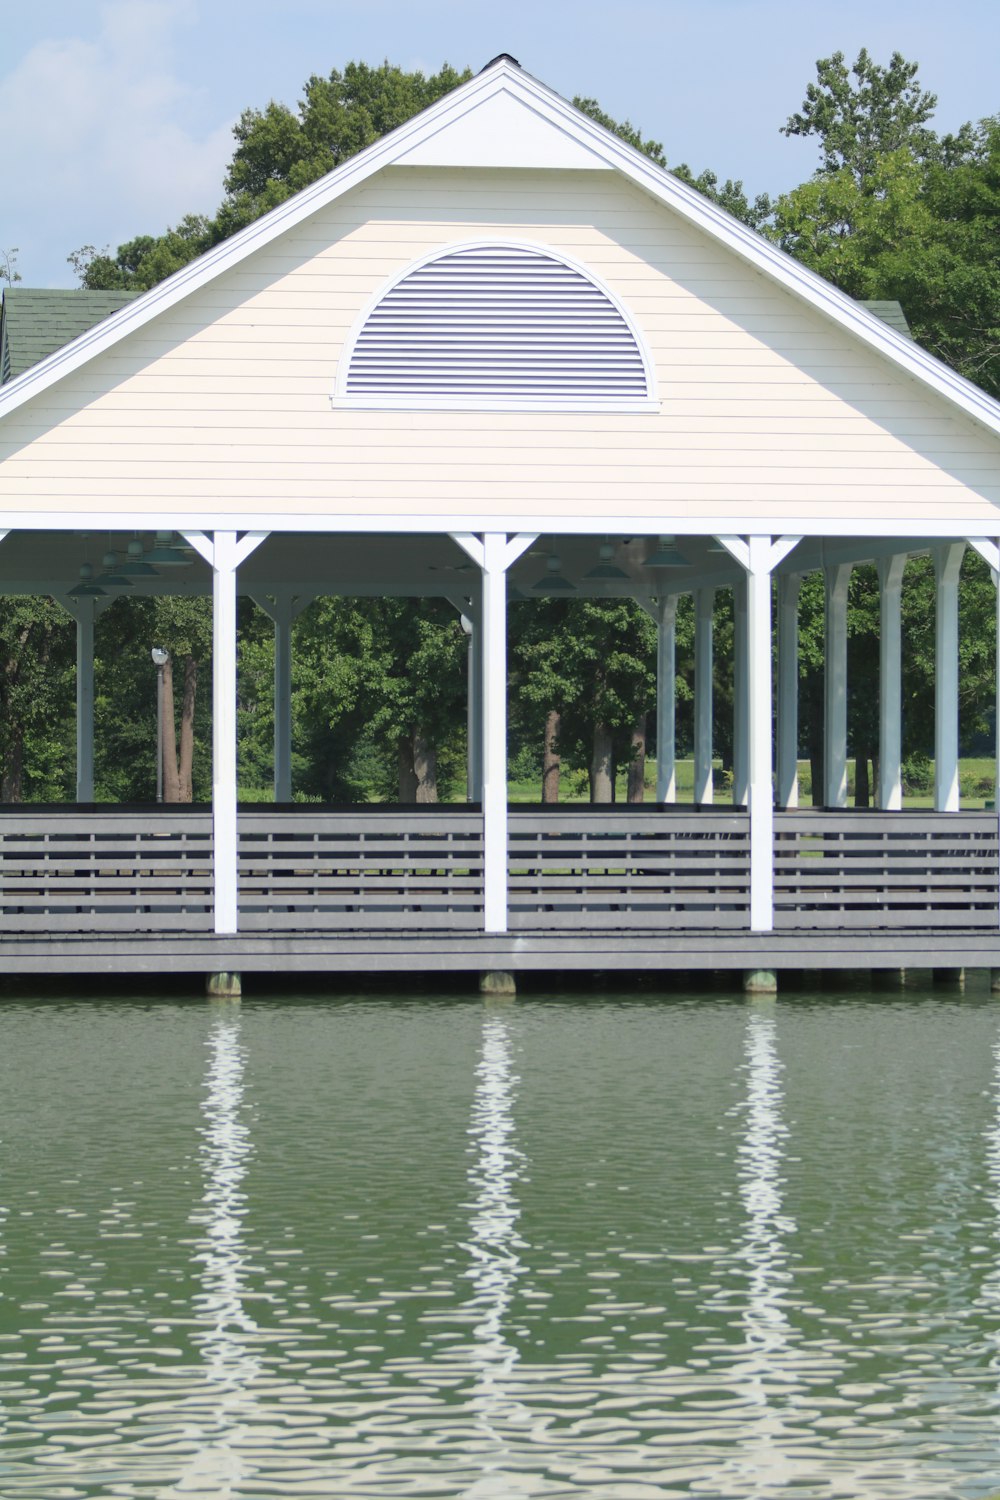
{"points": [[118, 115]]}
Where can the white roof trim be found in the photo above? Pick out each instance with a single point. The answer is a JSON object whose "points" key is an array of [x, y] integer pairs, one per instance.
{"points": [[661, 185]]}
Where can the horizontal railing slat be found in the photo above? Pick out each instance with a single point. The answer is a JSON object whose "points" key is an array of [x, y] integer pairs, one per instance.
{"points": [[354, 871], [855, 869], [117, 870]]}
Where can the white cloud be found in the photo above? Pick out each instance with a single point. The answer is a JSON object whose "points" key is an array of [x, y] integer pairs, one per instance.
{"points": [[108, 144]]}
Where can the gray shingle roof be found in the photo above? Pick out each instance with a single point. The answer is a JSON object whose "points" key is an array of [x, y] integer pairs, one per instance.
{"points": [[890, 313], [36, 323]]}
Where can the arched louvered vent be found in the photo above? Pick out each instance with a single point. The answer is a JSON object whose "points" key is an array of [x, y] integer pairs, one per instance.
{"points": [[493, 324]]}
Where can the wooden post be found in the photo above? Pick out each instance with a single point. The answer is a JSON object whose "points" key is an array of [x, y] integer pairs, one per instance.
{"points": [[837, 581], [704, 603], [947, 566], [890, 683], [789, 585], [666, 695]]}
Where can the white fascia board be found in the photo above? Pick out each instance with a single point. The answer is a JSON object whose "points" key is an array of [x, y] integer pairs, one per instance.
{"points": [[773, 262], [661, 185], [941, 528]]}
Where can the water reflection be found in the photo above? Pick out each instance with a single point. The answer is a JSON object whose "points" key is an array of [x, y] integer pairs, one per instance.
{"points": [[760, 1368], [230, 1366], [494, 1252], [494, 1247], [759, 1158], [991, 1283]]}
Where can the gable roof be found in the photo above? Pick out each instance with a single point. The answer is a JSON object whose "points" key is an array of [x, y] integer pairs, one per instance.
{"points": [[550, 131], [34, 324]]}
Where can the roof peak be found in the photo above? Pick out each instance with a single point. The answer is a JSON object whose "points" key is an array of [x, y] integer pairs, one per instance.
{"points": [[501, 57]]}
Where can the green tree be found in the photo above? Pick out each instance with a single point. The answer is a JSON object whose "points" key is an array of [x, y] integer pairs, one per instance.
{"points": [[37, 715], [593, 661], [125, 700], [731, 195], [278, 152], [380, 692], [862, 113]]}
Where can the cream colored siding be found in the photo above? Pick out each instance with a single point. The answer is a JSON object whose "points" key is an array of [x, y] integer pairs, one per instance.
{"points": [[222, 404]]}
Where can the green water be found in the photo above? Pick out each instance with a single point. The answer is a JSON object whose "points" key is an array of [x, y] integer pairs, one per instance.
{"points": [[619, 1246]]}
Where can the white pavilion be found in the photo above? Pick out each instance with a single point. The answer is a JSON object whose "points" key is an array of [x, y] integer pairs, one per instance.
{"points": [[500, 329]]}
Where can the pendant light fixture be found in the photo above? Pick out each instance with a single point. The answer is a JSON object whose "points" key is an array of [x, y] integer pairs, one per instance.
{"points": [[111, 577], [86, 588], [666, 555], [606, 568], [552, 581], [135, 565], [167, 553]]}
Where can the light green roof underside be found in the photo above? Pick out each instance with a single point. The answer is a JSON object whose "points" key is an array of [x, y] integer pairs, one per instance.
{"points": [[37, 323]]}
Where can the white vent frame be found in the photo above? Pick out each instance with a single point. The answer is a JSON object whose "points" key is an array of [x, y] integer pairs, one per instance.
{"points": [[341, 399]]}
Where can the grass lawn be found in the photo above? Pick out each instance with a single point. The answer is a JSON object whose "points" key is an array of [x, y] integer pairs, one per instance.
{"points": [[976, 776]]}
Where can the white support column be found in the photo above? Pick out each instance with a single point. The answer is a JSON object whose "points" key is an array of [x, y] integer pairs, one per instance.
{"points": [[759, 556], [494, 553], [837, 581], [989, 551], [890, 683], [475, 708], [947, 566], [760, 695], [666, 696], [224, 730], [283, 701], [85, 614], [495, 731], [470, 612], [741, 689], [283, 609], [789, 585], [704, 603], [224, 554], [996, 710]]}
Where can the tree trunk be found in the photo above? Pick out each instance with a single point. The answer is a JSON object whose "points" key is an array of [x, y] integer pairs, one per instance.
{"points": [[551, 760], [186, 793], [12, 778], [407, 775], [602, 765], [171, 773], [425, 760], [637, 761]]}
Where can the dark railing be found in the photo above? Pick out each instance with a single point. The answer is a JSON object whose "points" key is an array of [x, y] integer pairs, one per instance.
{"points": [[860, 869], [377, 868], [117, 870], [124, 870], [629, 868]]}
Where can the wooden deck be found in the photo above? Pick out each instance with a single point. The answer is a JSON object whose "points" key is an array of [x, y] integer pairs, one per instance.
{"points": [[401, 889]]}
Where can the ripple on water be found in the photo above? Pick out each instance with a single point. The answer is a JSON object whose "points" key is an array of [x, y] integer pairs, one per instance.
{"points": [[608, 1248]]}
